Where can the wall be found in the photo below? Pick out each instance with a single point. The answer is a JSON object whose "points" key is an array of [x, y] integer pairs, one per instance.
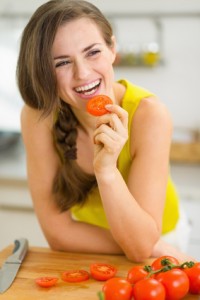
{"points": [[175, 81]]}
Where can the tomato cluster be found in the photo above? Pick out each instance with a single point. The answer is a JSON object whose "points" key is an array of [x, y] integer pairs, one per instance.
{"points": [[165, 279]]}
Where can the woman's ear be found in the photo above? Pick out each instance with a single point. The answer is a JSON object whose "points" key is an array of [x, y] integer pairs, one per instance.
{"points": [[113, 47]]}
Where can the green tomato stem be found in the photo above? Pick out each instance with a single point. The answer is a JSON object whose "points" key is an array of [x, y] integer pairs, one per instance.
{"points": [[167, 265], [101, 296]]}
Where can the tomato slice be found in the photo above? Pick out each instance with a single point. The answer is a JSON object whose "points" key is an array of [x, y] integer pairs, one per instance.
{"points": [[75, 276], [96, 105], [102, 271], [46, 281]]}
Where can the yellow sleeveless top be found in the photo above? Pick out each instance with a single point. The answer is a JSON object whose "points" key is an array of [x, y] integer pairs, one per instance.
{"points": [[92, 211]]}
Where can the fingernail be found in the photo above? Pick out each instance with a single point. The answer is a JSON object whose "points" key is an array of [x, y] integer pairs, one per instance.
{"points": [[108, 106]]}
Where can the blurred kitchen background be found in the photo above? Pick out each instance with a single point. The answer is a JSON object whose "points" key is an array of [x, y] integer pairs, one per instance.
{"points": [[159, 49]]}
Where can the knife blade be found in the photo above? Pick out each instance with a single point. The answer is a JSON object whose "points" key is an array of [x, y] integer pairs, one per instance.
{"points": [[12, 264]]}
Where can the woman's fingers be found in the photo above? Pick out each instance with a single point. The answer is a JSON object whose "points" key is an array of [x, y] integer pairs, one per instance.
{"points": [[120, 112], [117, 119]]}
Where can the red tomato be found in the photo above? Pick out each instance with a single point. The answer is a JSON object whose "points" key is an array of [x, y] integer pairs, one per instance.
{"points": [[193, 274], [136, 273], [75, 276], [162, 261], [176, 283], [117, 289], [46, 281], [101, 271], [96, 105], [148, 288]]}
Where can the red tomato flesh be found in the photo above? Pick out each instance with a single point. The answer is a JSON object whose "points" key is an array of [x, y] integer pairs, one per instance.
{"points": [[102, 271], [75, 276], [176, 283], [161, 261], [96, 105], [136, 273], [193, 274], [117, 289], [150, 289], [46, 281]]}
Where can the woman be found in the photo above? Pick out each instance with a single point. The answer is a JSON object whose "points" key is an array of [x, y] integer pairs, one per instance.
{"points": [[98, 184]]}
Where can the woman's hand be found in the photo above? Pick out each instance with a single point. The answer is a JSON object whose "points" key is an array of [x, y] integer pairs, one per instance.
{"points": [[109, 138], [162, 248]]}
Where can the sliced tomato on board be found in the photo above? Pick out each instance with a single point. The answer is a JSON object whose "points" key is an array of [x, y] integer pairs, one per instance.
{"points": [[46, 281], [96, 105], [75, 275], [102, 271]]}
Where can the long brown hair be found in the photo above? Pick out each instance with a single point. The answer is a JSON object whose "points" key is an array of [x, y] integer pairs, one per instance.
{"points": [[37, 85]]}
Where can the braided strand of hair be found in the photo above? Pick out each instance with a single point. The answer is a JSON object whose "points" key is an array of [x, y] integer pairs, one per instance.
{"points": [[71, 184]]}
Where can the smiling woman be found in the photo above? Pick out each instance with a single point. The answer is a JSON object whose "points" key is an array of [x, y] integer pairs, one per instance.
{"points": [[99, 184]]}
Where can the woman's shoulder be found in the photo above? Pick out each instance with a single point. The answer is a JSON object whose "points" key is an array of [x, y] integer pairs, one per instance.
{"points": [[33, 118], [35, 127]]}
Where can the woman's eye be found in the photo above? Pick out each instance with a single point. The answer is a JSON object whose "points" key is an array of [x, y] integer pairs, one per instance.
{"points": [[62, 63], [93, 52]]}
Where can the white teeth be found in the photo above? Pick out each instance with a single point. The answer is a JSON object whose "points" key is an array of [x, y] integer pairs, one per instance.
{"points": [[87, 87]]}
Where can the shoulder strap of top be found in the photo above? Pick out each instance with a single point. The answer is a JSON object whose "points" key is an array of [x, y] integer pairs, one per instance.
{"points": [[132, 97]]}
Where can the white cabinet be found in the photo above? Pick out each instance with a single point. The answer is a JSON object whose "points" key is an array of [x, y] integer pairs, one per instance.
{"points": [[192, 208], [17, 217], [187, 180]]}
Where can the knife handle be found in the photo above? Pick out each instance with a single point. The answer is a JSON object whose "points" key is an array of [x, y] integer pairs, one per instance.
{"points": [[19, 251]]}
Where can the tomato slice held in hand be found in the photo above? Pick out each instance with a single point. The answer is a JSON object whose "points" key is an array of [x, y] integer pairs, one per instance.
{"points": [[75, 276], [117, 289], [162, 261], [176, 283], [193, 274], [136, 273], [96, 105], [148, 288], [46, 281], [102, 271]]}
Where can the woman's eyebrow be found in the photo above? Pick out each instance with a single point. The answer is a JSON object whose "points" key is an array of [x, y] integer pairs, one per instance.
{"points": [[89, 47], [61, 57]]}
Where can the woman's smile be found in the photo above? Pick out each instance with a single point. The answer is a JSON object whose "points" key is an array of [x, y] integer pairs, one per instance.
{"points": [[88, 89]]}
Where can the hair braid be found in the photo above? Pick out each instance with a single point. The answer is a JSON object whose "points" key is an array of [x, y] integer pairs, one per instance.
{"points": [[66, 132], [71, 182]]}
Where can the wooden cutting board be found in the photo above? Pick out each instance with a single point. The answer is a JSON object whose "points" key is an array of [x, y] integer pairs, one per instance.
{"points": [[45, 262]]}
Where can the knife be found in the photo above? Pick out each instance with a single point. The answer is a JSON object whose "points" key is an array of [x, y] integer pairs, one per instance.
{"points": [[12, 264]]}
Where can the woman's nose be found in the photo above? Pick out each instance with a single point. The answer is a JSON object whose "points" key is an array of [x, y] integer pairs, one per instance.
{"points": [[81, 70]]}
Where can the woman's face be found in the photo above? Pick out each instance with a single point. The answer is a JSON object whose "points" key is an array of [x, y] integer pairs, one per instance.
{"points": [[83, 62]]}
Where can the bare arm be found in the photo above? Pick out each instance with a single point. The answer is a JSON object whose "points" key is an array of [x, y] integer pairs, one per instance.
{"points": [[135, 211], [61, 231]]}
